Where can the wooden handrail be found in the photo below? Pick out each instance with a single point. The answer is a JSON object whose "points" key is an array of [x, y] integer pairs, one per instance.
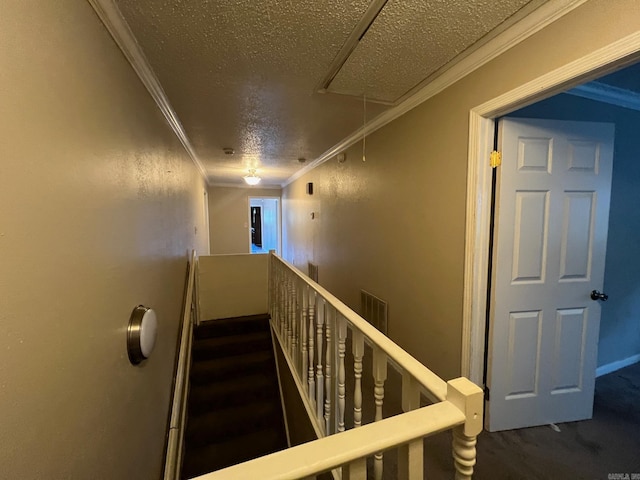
{"points": [[425, 377], [343, 448], [178, 408], [311, 326]]}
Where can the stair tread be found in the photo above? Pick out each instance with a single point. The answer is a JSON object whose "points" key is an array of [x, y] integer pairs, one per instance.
{"points": [[234, 409], [229, 326], [237, 390], [216, 368], [230, 339], [231, 345], [220, 425], [208, 458]]}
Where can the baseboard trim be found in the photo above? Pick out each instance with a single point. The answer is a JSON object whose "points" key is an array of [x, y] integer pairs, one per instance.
{"points": [[613, 366]]}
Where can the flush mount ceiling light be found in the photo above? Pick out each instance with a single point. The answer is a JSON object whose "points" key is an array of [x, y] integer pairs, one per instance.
{"points": [[252, 178]]}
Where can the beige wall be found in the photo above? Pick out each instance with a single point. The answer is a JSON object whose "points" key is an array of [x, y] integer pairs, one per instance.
{"points": [[299, 424], [233, 285], [98, 210], [229, 217], [395, 224]]}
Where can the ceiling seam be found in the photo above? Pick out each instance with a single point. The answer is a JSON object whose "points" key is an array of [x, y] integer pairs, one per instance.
{"points": [[452, 73], [110, 15], [351, 43]]}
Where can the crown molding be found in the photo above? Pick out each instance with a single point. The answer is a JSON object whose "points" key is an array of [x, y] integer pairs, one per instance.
{"points": [[112, 18], [601, 92], [454, 71], [618, 54]]}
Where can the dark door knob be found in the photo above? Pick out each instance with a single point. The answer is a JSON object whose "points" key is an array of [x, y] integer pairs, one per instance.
{"points": [[596, 295]]}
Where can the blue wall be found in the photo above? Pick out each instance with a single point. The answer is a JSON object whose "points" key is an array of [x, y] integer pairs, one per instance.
{"points": [[620, 322]]}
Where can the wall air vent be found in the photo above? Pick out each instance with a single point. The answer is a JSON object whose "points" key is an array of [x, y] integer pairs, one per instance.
{"points": [[374, 310], [313, 271]]}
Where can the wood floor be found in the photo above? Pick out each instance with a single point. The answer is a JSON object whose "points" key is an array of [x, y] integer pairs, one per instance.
{"points": [[590, 450]]}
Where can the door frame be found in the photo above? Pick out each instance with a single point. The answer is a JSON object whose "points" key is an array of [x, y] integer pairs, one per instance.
{"points": [[252, 223], [207, 224], [278, 220], [478, 208]]}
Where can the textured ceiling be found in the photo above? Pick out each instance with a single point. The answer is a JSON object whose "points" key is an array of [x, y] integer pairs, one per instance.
{"points": [[244, 73], [409, 41]]}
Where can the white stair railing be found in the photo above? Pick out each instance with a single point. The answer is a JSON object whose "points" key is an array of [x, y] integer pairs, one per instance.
{"points": [[314, 329]]}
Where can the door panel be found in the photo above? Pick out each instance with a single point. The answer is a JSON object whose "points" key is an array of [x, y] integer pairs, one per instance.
{"points": [[577, 232], [550, 241], [529, 251], [524, 336], [534, 154], [569, 352]]}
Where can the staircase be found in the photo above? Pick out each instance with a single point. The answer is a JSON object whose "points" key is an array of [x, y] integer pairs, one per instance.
{"points": [[234, 409]]}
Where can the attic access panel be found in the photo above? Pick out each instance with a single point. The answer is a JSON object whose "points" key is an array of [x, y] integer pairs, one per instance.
{"points": [[410, 40]]}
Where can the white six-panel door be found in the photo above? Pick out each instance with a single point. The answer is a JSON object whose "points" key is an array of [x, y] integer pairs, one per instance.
{"points": [[549, 254]]}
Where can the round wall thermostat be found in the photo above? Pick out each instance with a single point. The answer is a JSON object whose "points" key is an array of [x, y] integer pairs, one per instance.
{"points": [[141, 334]]}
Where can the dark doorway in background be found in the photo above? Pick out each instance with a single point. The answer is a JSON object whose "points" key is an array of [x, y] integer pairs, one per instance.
{"points": [[256, 226]]}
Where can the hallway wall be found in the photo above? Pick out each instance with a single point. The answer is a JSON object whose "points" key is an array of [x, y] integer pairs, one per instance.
{"points": [[395, 224], [99, 206]]}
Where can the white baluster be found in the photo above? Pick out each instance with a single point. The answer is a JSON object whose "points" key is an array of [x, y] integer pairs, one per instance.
{"points": [[291, 315], [469, 398], [379, 377], [358, 354], [288, 338], [270, 286], [285, 311], [294, 322], [329, 355], [311, 331], [320, 320], [342, 337], [281, 303], [303, 333], [410, 456], [279, 300], [464, 453], [356, 470]]}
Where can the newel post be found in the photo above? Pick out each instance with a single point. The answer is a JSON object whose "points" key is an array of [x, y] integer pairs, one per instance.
{"points": [[468, 397]]}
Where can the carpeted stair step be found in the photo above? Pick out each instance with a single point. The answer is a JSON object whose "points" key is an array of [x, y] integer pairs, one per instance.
{"points": [[234, 410], [231, 345], [218, 369], [235, 391], [232, 326], [221, 425], [211, 457]]}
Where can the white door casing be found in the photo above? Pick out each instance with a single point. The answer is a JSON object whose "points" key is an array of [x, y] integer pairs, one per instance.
{"points": [[549, 254]]}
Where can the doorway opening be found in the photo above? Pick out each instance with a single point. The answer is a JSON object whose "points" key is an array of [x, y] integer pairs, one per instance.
{"points": [[264, 221], [205, 212], [614, 56], [482, 126]]}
